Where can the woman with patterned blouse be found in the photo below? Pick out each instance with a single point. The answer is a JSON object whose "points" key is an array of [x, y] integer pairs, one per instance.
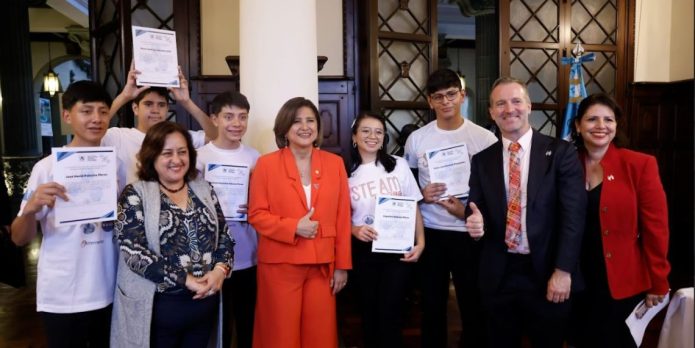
{"points": [[175, 249]]}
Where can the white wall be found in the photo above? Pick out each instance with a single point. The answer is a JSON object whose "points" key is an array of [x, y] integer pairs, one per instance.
{"points": [[663, 40], [219, 21]]}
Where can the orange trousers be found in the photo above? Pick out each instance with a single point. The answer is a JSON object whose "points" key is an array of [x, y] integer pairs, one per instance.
{"points": [[295, 307]]}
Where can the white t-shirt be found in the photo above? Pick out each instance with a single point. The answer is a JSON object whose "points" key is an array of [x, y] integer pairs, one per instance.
{"points": [[369, 180], [243, 233], [431, 137], [128, 141], [77, 263]]}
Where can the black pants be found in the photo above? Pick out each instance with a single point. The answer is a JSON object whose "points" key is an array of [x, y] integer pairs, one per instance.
{"points": [[239, 303], [520, 308], [599, 320], [84, 329], [447, 255], [180, 321], [381, 281]]}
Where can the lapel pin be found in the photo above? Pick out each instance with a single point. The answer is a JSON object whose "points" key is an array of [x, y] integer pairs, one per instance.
{"points": [[611, 177], [548, 153]]}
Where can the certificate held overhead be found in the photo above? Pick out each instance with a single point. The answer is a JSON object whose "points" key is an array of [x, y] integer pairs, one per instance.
{"points": [[155, 56]]}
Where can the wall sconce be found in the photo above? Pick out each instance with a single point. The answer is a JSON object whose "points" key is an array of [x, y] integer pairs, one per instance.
{"points": [[51, 83]]}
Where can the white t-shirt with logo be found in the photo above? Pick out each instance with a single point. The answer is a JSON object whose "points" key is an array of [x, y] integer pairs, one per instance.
{"points": [[430, 137], [370, 180], [243, 233], [77, 263], [128, 141]]}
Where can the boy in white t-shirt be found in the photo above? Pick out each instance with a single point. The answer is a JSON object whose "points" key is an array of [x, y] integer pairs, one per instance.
{"points": [[77, 263], [230, 112], [150, 106], [449, 247]]}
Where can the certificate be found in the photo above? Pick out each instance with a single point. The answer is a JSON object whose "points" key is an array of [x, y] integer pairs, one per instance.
{"points": [[155, 56], [639, 318], [231, 183], [451, 166], [89, 177], [394, 222]]}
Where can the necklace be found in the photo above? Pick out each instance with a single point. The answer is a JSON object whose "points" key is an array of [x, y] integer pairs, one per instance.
{"points": [[174, 190]]}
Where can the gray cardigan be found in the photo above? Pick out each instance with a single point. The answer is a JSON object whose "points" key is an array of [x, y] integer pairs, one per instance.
{"points": [[134, 295]]}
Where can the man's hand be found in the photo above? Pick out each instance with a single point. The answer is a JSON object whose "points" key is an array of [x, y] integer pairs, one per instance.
{"points": [[131, 89], [181, 94], [559, 286], [474, 223], [45, 195], [454, 206], [243, 209], [433, 191]]}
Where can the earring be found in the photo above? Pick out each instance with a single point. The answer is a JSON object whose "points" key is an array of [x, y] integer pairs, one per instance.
{"points": [[354, 145]]}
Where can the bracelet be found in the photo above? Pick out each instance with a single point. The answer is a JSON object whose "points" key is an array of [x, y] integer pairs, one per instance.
{"points": [[225, 269]]}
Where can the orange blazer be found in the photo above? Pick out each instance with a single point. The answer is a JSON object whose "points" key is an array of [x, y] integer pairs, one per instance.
{"points": [[277, 202], [634, 223]]}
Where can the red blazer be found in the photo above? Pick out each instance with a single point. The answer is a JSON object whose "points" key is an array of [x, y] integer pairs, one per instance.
{"points": [[277, 202], [634, 224]]}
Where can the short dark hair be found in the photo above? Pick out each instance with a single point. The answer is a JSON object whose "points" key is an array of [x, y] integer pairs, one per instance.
{"points": [[85, 91], [152, 147], [158, 90], [229, 98], [443, 79], [285, 119], [406, 130], [382, 155], [588, 102], [507, 80]]}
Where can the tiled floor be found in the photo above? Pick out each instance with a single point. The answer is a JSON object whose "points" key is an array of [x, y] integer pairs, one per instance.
{"points": [[20, 326]]}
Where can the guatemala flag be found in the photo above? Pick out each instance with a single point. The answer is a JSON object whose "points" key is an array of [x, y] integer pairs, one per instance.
{"points": [[577, 90]]}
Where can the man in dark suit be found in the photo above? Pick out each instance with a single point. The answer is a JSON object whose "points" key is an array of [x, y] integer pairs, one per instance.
{"points": [[529, 192]]}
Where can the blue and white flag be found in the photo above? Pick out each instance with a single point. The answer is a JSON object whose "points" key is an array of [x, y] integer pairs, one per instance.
{"points": [[577, 90]]}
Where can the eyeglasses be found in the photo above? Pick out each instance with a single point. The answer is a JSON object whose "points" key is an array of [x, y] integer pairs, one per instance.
{"points": [[450, 95], [366, 131]]}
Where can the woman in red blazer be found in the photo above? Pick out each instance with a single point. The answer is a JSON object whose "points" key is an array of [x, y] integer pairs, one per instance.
{"points": [[626, 237], [300, 207]]}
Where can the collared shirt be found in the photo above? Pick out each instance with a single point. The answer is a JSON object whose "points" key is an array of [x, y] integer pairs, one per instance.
{"points": [[525, 153]]}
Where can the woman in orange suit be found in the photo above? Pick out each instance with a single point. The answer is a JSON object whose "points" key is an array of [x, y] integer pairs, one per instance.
{"points": [[300, 206]]}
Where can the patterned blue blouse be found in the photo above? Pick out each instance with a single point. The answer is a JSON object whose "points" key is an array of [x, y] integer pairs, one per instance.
{"points": [[187, 240]]}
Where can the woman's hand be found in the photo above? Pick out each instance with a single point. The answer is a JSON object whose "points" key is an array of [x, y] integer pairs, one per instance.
{"points": [[652, 300], [306, 227], [364, 233], [195, 287], [207, 285], [414, 255], [339, 280]]}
